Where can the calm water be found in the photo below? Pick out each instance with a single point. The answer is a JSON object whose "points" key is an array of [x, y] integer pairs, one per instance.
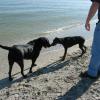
{"points": [[25, 19]]}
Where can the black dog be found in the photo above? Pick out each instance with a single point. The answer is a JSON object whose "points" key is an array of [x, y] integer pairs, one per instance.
{"points": [[29, 51], [69, 42]]}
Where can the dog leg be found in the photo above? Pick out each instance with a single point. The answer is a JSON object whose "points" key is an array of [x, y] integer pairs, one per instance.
{"points": [[33, 61], [63, 58], [83, 51], [10, 70], [21, 64], [85, 48], [30, 71]]}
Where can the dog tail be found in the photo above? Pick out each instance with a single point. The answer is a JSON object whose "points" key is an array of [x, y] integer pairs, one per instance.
{"points": [[5, 47]]}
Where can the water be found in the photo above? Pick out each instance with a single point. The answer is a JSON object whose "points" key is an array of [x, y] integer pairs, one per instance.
{"points": [[21, 20]]}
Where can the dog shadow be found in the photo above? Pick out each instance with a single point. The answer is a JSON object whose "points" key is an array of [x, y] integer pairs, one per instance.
{"points": [[78, 90], [44, 70]]}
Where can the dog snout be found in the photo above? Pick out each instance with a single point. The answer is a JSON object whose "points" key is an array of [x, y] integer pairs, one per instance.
{"points": [[53, 44], [47, 45]]}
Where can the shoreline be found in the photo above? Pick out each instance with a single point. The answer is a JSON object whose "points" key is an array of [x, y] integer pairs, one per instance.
{"points": [[73, 29]]}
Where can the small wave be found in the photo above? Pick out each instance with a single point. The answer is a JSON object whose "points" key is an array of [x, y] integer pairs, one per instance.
{"points": [[56, 32], [64, 28], [72, 25], [59, 32], [64, 31]]}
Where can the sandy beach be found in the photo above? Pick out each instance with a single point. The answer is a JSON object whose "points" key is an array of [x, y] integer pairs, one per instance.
{"points": [[24, 20], [51, 79]]}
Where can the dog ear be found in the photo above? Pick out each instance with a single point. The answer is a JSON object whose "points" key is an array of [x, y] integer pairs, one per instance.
{"points": [[32, 41], [56, 37], [44, 41]]}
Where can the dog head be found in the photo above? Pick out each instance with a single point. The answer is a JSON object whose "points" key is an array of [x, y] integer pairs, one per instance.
{"points": [[44, 42], [55, 41]]}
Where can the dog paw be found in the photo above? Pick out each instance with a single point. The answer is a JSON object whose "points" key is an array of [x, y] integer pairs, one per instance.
{"points": [[10, 78], [80, 56], [25, 76], [30, 71], [35, 65], [62, 59]]}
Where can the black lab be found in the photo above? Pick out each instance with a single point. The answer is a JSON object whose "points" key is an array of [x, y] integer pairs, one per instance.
{"points": [[29, 51], [69, 42]]}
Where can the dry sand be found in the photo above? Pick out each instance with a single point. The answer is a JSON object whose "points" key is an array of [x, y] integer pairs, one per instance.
{"points": [[52, 79]]}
